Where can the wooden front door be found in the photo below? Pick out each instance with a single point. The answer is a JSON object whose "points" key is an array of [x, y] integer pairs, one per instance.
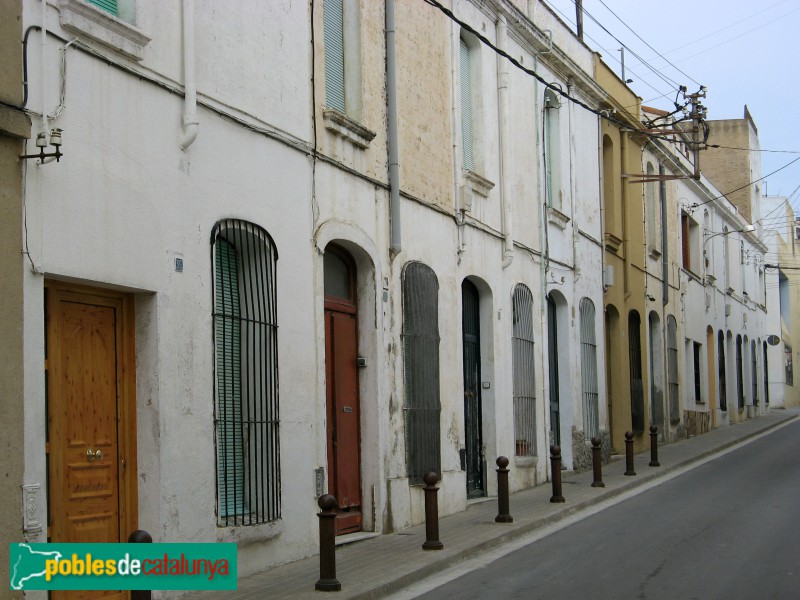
{"points": [[342, 399], [91, 417]]}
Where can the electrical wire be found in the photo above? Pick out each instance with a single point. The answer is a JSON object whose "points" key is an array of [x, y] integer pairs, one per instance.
{"points": [[645, 43], [752, 149]]}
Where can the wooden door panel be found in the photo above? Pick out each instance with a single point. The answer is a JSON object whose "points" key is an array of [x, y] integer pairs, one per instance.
{"points": [[91, 418], [348, 481]]}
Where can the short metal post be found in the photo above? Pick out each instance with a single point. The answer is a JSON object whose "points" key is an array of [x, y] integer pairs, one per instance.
{"points": [[629, 453], [654, 446], [503, 511], [555, 475], [327, 581], [431, 513], [597, 464], [140, 536]]}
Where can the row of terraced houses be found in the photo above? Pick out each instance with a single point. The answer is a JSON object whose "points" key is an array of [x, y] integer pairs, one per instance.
{"points": [[299, 247]]}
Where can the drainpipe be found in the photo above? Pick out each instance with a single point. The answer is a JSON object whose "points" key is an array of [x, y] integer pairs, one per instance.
{"points": [[43, 61], [505, 151], [573, 192], [190, 120], [391, 117], [537, 110], [624, 194]]}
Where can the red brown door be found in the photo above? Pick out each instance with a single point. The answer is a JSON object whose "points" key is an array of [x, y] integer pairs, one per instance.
{"points": [[91, 429], [343, 421]]}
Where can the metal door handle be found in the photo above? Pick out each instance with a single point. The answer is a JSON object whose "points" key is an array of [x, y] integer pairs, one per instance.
{"points": [[92, 456]]}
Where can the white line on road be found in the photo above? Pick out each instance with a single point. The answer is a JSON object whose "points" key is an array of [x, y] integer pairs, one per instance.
{"points": [[477, 562]]}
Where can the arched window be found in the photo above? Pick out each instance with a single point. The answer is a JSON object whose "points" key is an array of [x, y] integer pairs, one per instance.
{"points": [[246, 373], [754, 371], [522, 351], [739, 372], [469, 77], [672, 370], [609, 189], [420, 336], [591, 418], [552, 158]]}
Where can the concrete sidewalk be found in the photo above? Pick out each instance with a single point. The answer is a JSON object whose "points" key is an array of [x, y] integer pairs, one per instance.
{"points": [[379, 566]]}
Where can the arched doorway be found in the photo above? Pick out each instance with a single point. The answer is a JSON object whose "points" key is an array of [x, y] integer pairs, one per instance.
{"points": [[342, 397], [473, 408]]}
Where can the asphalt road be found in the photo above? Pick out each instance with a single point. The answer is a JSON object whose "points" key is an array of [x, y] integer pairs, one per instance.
{"points": [[728, 529]]}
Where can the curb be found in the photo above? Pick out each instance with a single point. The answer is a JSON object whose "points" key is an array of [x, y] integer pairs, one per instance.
{"points": [[437, 566]]}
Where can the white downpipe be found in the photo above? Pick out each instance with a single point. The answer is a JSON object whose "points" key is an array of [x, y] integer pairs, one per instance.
{"points": [[391, 117], [190, 120], [505, 152], [43, 65]]}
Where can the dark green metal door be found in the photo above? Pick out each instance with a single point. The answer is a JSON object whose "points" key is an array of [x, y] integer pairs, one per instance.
{"points": [[472, 391]]}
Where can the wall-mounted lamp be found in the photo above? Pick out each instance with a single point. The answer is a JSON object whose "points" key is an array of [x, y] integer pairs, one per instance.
{"points": [[41, 143], [746, 229]]}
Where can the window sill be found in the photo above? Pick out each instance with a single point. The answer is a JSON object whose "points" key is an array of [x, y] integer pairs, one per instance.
{"points": [[526, 461], [474, 185], [345, 127], [244, 535], [557, 218], [79, 17]]}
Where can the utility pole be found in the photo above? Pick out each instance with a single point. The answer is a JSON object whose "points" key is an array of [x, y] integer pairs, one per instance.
{"points": [[579, 18], [698, 115]]}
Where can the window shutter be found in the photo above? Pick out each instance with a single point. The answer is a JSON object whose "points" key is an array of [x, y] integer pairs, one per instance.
{"points": [[230, 446], [334, 54], [109, 6], [548, 156], [591, 419], [466, 107]]}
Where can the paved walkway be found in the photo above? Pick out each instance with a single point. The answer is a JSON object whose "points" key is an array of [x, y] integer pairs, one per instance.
{"points": [[379, 566]]}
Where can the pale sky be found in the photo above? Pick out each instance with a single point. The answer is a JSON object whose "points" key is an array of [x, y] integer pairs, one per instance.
{"points": [[744, 52]]}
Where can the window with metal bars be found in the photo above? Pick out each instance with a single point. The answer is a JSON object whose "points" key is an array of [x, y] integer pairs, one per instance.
{"points": [[522, 356], [754, 371], [635, 360], [246, 374], [672, 370], [723, 383], [591, 418], [766, 376], [422, 406]]}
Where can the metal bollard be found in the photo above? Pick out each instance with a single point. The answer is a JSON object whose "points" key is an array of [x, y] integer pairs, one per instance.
{"points": [[555, 468], [654, 446], [431, 513], [503, 514], [140, 536], [597, 465], [327, 581], [629, 453]]}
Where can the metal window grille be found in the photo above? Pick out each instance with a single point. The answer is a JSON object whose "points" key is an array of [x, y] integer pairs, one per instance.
{"points": [[723, 384], [591, 419], [672, 369], [466, 106], [739, 372], [246, 374], [522, 352], [333, 14], [420, 336], [637, 384], [766, 376], [754, 371]]}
